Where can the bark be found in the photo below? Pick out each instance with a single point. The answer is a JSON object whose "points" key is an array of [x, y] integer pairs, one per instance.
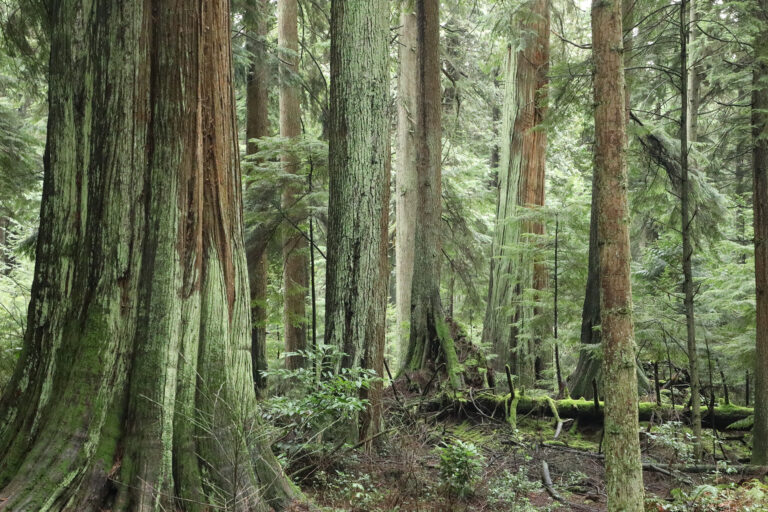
{"points": [[623, 469], [295, 262], [133, 387], [588, 367], [429, 335], [6, 259], [760, 169], [357, 265], [405, 179], [257, 126], [685, 229], [521, 184]]}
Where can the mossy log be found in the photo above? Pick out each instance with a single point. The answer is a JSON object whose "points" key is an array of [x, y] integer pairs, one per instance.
{"points": [[489, 405]]}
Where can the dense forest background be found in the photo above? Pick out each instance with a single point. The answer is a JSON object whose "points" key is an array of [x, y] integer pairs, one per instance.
{"points": [[286, 186]]}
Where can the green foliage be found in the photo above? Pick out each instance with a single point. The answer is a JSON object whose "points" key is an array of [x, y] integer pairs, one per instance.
{"points": [[751, 496], [512, 489], [460, 466], [315, 403]]}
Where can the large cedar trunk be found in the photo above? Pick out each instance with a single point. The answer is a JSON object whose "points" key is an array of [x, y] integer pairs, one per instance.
{"points": [[257, 126], [134, 385], [623, 470], [429, 337], [405, 179], [760, 167], [521, 184], [356, 297], [295, 247]]}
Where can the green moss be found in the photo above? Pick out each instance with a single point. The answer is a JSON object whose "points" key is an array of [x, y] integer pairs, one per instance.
{"points": [[449, 351]]}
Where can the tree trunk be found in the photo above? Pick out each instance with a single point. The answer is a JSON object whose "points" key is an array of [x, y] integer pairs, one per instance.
{"points": [[405, 178], [357, 265], [295, 262], [257, 126], [685, 229], [623, 469], [133, 385], [521, 184], [589, 365], [429, 334], [6, 259], [760, 168]]}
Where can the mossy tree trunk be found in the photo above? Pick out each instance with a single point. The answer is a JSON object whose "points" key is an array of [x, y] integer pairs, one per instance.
{"points": [[623, 469], [295, 247], [405, 178], [257, 126], [429, 338], [509, 315], [760, 168], [358, 268], [134, 388]]}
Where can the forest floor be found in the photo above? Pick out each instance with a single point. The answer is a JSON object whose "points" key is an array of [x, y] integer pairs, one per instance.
{"points": [[404, 470]]}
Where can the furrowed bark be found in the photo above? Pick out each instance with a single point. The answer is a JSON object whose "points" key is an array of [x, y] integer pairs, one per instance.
{"points": [[623, 469], [295, 261], [405, 179], [429, 335], [257, 126], [134, 385], [357, 266], [521, 184]]}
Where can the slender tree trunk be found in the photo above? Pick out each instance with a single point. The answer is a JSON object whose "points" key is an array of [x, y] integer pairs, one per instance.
{"points": [[760, 168], [295, 264], [521, 180], [429, 337], [133, 385], [686, 219], [589, 364], [405, 179], [257, 126], [623, 469], [356, 283], [6, 260]]}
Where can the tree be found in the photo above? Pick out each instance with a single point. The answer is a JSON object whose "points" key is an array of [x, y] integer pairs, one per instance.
{"points": [[521, 184], [687, 121], [133, 386], [405, 178], [257, 126], [357, 265], [295, 264], [623, 469], [760, 168], [429, 336], [580, 382]]}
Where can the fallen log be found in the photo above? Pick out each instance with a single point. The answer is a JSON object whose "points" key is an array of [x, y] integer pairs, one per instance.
{"points": [[497, 407]]}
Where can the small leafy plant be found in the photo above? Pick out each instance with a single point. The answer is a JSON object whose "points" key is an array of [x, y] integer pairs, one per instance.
{"points": [[460, 465]]}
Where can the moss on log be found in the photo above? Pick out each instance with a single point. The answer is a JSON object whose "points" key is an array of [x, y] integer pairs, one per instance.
{"points": [[496, 406]]}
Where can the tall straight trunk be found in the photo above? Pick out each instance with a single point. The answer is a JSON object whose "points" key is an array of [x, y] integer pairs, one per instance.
{"points": [[295, 261], [589, 363], [133, 386], [685, 229], [760, 168], [405, 179], [429, 337], [358, 267], [521, 184], [257, 126], [623, 469]]}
